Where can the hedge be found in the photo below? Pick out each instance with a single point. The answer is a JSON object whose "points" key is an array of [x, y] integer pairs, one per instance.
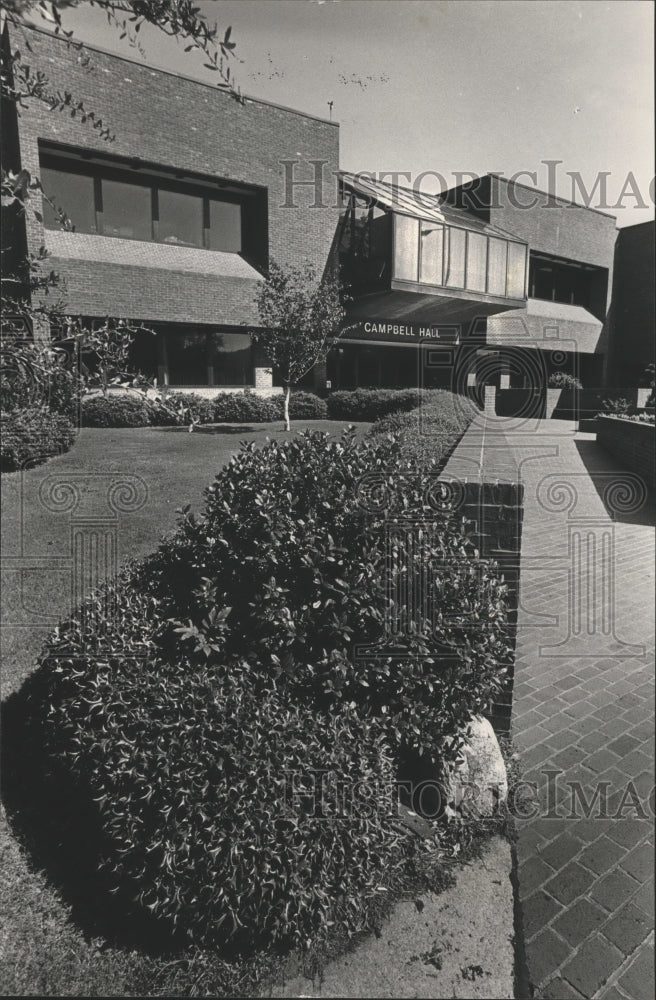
{"points": [[371, 404], [32, 435], [132, 410], [269, 638], [115, 410]]}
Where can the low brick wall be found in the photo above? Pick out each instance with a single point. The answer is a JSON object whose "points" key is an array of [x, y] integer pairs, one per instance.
{"points": [[496, 508], [631, 443]]}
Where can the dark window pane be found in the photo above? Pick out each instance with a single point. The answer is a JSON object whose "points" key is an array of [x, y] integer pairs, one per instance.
{"points": [[126, 210], [73, 194], [144, 353], [180, 219], [230, 357], [187, 358], [225, 226]]}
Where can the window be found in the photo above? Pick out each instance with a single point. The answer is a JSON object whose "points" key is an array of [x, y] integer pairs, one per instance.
{"points": [[180, 218], [127, 204], [496, 266], [225, 226], [455, 270], [476, 261], [186, 354], [516, 270], [126, 210], [73, 193], [406, 247], [432, 245], [230, 358]]}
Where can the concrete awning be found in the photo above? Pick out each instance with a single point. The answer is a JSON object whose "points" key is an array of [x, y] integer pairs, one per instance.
{"points": [[547, 326]]}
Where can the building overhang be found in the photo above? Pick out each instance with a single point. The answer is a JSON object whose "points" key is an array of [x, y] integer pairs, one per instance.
{"points": [[418, 305], [548, 326]]}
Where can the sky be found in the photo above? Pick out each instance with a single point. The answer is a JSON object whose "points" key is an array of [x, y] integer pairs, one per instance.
{"points": [[453, 86]]}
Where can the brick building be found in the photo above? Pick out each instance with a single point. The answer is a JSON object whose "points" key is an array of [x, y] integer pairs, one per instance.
{"points": [[178, 216], [175, 218]]}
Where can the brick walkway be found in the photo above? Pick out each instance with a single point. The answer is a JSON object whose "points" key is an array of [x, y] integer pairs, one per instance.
{"points": [[583, 714]]}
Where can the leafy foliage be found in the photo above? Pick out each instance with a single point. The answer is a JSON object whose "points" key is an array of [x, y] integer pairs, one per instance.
{"points": [[562, 380], [289, 545], [183, 699], [301, 316], [116, 410], [203, 779], [302, 406], [37, 375], [618, 407], [371, 404], [32, 434], [243, 407]]}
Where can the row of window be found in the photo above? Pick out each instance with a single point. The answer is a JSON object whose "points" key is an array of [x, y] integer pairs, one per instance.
{"points": [[194, 357], [105, 202], [435, 254]]}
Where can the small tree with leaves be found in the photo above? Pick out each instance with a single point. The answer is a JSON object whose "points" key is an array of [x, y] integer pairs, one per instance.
{"points": [[302, 317]]}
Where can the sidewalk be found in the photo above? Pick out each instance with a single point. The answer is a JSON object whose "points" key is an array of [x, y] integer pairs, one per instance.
{"points": [[583, 712]]}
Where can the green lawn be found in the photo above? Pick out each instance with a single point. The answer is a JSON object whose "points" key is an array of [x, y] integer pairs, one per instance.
{"points": [[42, 949]]}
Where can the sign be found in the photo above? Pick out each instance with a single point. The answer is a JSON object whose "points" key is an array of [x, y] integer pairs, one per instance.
{"points": [[402, 333]]}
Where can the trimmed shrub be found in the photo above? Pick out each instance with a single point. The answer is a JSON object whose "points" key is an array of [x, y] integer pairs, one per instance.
{"points": [[115, 410], [189, 407], [191, 707], [32, 435], [202, 787], [243, 407], [428, 433], [371, 404], [292, 542], [302, 406]]}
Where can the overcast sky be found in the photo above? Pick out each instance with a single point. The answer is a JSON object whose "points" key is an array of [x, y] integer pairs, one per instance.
{"points": [[450, 85]]}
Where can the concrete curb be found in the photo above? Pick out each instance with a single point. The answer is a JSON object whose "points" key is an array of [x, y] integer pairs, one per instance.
{"points": [[458, 944]]}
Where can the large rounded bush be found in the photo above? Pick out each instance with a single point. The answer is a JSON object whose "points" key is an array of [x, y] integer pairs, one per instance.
{"points": [[189, 407], [209, 809], [302, 406], [115, 410], [32, 435], [346, 581], [243, 407]]}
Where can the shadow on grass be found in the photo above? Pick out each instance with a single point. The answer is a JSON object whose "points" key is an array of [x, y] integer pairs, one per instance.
{"points": [[220, 429], [57, 825]]}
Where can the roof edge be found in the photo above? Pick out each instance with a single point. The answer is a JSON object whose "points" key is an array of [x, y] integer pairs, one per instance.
{"points": [[181, 76]]}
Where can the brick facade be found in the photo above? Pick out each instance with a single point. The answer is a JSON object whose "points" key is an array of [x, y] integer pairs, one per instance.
{"points": [[177, 123], [632, 444]]}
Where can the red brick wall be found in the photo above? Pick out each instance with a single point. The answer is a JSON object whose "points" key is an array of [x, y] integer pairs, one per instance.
{"points": [[554, 226], [632, 444], [183, 124]]}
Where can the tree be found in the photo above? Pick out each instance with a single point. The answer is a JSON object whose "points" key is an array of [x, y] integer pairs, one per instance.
{"points": [[302, 318]]}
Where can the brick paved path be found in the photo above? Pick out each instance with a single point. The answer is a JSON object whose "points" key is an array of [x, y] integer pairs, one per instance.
{"points": [[584, 711]]}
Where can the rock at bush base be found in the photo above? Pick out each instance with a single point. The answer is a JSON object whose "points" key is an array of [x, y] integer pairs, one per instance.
{"points": [[478, 783]]}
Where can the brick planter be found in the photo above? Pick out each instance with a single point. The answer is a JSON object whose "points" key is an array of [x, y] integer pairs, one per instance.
{"points": [[631, 443]]}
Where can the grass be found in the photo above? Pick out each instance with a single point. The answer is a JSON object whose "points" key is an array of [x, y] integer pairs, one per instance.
{"points": [[42, 950]]}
